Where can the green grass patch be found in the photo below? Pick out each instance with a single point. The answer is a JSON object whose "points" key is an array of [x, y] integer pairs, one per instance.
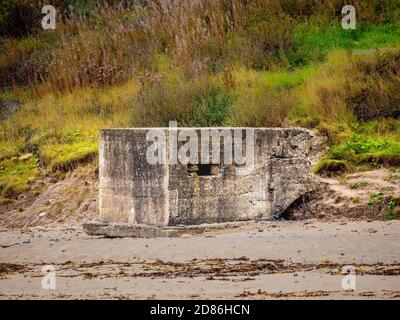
{"points": [[16, 175], [287, 79], [246, 79], [372, 149], [312, 42], [362, 145], [378, 36], [65, 157], [9, 149], [329, 167]]}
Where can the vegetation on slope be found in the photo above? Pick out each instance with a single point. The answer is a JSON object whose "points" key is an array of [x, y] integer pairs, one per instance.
{"points": [[202, 63]]}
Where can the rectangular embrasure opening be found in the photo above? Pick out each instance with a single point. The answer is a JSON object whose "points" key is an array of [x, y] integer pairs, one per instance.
{"points": [[203, 170]]}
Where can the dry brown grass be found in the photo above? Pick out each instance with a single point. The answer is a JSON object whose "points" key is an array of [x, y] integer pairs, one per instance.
{"points": [[113, 42]]}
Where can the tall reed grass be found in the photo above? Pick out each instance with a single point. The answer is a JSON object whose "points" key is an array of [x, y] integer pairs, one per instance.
{"points": [[100, 43]]}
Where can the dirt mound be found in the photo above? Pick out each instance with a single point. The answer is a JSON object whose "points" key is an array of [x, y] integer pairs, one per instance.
{"points": [[373, 195], [70, 201]]}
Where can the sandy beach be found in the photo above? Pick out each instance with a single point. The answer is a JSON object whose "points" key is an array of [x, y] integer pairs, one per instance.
{"points": [[264, 260]]}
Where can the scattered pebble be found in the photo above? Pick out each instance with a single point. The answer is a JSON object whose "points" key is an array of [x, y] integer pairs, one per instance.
{"points": [[186, 236]]}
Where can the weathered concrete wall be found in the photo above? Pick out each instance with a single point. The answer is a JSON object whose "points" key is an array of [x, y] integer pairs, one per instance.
{"points": [[131, 190], [134, 191]]}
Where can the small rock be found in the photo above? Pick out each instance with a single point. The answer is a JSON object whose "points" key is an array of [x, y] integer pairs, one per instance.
{"points": [[42, 214], [186, 236]]}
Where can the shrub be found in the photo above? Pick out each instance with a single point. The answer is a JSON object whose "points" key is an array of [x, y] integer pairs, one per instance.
{"points": [[373, 89], [266, 108], [211, 110], [19, 17], [197, 102]]}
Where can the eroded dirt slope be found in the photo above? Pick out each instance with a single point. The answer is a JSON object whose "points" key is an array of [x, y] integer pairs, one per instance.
{"points": [[69, 201], [370, 195]]}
